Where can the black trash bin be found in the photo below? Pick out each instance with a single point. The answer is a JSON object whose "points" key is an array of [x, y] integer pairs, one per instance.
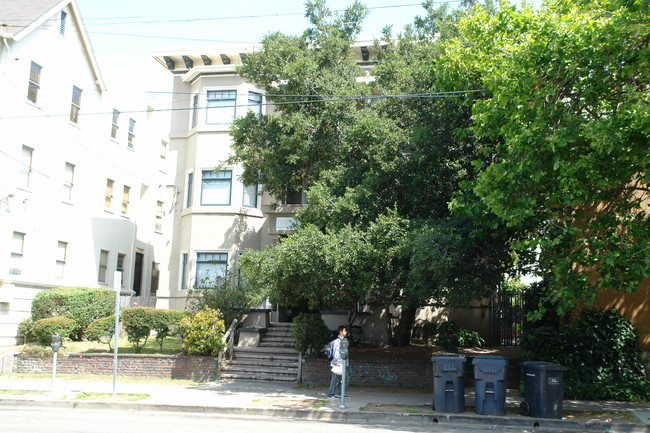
{"points": [[490, 374], [543, 389], [448, 382]]}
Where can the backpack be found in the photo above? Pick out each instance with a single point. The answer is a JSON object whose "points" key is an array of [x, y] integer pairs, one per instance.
{"points": [[329, 352]]}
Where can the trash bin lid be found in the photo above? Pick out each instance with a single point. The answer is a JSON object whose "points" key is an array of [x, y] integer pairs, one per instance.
{"points": [[543, 366]]}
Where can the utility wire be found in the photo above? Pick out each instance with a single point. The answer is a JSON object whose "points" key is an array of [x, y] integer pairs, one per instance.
{"points": [[452, 94]]}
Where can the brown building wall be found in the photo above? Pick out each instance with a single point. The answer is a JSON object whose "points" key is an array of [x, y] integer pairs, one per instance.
{"points": [[635, 307]]}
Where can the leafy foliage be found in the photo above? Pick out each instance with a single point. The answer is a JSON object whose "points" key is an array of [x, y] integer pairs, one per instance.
{"points": [[138, 323], [565, 116], [601, 352], [203, 332], [26, 329], [230, 298], [165, 323], [451, 339], [44, 329], [102, 331], [310, 333], [81, 304], [379, 173]]}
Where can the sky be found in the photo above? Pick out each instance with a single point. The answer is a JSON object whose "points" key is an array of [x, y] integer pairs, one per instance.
{"points": [[125, 33]]}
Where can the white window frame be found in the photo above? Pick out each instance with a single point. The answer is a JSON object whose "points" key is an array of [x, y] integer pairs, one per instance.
{"points": [[254, 104], [17, 253], [75, 104], [61, 256], [34, 84], [131, 134], [210, 266], [184, 263], [115, 124], [102, 271], [68, 181], [126, 198], [250, 192], [215, 180], [27, 157], [119, 266], [221, 106]]}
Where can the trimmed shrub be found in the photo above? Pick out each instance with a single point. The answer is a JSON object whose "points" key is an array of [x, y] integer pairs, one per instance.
{"points": [[81, 304], [25, 328], [203, 332], [44, 329], [138, 323], [310, 334], [165, 323], [102, 331]]}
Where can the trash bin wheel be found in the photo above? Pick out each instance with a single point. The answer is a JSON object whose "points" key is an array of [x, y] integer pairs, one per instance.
{"points": [[524, 408]]}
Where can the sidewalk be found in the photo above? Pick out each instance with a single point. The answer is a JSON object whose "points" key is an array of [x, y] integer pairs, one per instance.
{"points": [[365, 405]]}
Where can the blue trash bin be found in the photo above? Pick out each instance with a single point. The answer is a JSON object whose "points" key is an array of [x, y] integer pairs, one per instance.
{"points": [[448, 382], [490, 374]]}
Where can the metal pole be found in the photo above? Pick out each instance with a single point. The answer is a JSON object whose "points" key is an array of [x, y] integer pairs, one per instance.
{"points": [[344, 365], [53, 371], [117, 286]]}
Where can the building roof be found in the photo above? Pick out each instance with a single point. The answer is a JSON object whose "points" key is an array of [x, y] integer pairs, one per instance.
{"points": [[18, 18]]}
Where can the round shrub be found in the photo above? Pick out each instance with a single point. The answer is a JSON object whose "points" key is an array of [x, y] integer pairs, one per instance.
{"points": [[81, 304], [310, 333], [165, 323], [102, 331], [203, 332], [25, 328], [44, 329], [138, 323]]}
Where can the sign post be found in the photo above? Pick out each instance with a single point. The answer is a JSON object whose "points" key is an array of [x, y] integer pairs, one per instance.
{"points": [[56, 345], [117, 286]]}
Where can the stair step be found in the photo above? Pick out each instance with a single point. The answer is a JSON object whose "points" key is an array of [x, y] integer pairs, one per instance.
{"points": [[281, 324], [260, 357], [261, 365], [278, 345], [258, 378], [276, 370], [274, 350]]}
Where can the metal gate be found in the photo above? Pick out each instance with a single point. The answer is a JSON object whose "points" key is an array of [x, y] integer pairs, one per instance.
{"points": [[507, 318]]}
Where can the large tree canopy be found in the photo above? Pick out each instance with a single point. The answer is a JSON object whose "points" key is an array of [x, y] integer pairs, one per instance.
{"points": [[381, 159], [568, 123]]}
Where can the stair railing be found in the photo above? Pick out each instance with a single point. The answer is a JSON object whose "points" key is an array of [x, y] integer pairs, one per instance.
{"points": [[227, 350]]}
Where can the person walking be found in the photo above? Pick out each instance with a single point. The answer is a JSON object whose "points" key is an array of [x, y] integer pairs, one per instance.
{"points": [[336, 379]]}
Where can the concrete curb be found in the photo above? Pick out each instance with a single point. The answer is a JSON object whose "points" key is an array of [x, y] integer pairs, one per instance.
{"points": [[343, 415]]}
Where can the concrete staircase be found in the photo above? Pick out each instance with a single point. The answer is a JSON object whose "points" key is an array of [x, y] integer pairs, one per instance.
{"points": [[274, 360]]}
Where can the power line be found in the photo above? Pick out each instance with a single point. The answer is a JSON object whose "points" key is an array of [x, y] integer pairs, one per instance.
{"points": [[434, 95]]}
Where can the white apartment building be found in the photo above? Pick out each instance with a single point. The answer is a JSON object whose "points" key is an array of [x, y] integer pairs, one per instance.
{"points": [[86, 175]]}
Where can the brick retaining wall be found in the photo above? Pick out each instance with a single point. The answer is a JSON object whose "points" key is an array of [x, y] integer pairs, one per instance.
{"points": [[200, 368]]}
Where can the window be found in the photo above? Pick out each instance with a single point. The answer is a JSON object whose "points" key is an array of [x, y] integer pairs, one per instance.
{"points": [[215, 187], [183, 270], [115, 124], [188, 197], [103, 266], [120, 266], [125, 199], [64, 15], [34, 82], [295, 197], [195, 110], [68, 181], [163, 149], [61, 253], [17, 246], [131, 133], [210, 268], [155, 278], [109, 194], [221, 107], [255, 102], [250, 196], [75, 107], [26, 167], [159, 215]]}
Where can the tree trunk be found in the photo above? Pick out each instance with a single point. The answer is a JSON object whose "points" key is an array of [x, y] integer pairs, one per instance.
{"points": [[405, 325]]}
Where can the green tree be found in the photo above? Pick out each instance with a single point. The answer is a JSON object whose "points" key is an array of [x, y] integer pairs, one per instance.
{"points": [[380, 173], [567, 121]]}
